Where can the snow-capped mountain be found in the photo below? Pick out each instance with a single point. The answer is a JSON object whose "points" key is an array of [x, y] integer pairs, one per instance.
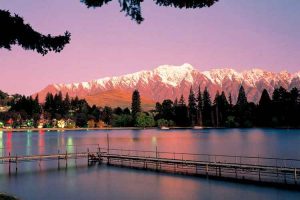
{"points": [[169, 82]]}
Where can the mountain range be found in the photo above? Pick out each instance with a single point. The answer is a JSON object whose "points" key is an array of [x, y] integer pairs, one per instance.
{"points": [[169, 82]]}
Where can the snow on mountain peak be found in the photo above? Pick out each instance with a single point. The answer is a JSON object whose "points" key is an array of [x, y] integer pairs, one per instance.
{"points": [[218, 75], [169, 82], [174, 75]]}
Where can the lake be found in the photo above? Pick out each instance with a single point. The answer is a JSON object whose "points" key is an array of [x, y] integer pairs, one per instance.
{"points": [[44, 181]]}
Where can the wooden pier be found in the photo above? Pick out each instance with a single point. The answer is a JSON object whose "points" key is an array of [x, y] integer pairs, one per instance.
{"points": [[262, 170]]}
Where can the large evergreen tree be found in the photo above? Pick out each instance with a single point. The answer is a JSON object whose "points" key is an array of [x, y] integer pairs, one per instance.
{"points": [[192, 106], [281, 104], [199, 108], [293, 117], [167, 109], [135, 104], [207, 115], [242, 98], [244, 111], [181, 113], [224, 108], [264, 110], [216, 108], [49, 104]]}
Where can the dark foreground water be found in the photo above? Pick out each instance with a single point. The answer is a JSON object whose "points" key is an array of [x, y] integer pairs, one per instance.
{"points": [[44, 181]]}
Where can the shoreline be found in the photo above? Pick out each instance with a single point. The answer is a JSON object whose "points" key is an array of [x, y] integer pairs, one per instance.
{"points": [[126, 128]]}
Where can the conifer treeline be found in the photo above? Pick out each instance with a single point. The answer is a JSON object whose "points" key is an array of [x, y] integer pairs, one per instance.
{"points": [[282, 110]]}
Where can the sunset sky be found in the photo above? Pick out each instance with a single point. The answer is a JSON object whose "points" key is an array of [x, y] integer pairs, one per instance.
{"points": [[239, 34]]}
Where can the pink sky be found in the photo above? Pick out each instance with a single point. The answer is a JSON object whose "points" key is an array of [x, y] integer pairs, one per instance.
{"points": [[239, 34]]}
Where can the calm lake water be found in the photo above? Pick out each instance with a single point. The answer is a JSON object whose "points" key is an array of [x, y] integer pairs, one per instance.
{"points": [[44, 181]]}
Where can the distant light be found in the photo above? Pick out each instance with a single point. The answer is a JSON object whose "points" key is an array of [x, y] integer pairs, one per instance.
{"points": [[154, 140]]}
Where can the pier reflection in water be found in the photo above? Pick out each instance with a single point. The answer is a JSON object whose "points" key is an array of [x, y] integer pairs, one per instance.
{"points": [[46, 182]]}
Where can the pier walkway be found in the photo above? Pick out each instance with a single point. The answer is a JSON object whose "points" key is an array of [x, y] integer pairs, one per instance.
{"points": [[264, 170]]}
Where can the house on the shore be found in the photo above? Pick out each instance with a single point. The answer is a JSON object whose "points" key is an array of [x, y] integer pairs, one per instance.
{"points": [[91, 123], [61, 123], [4, 108], [101, 124], [70, 123], [96, 124]]}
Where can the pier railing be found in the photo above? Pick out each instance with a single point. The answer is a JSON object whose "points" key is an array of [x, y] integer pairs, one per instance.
{"points": [[252, 168], [211, 158]]}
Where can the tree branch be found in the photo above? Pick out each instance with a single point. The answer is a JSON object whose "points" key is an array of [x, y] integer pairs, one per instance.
{"points": [[132, 8], [14, 31]]}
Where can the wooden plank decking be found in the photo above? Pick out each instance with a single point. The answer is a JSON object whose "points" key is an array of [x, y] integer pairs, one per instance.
{"points": [[255, 169]]}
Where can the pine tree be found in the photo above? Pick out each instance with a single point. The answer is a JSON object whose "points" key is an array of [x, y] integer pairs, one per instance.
{"points": [[135, 104], [36, 105], [66, 104], [216, 108], [167, 109], [264, 109], [199, 108], [192, 106], [49, 103], [207, 117], [230, 100], [224, 108], [294, 107], [181, 113], [176, 102], [242, 99], [281, 100], [181, 101]]}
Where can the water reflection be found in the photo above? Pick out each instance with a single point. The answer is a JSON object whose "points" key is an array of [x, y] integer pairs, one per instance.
{"points": [[41, 142], [8, 142], [112, 183], [70, 146], [28, 144], [1, 144]]}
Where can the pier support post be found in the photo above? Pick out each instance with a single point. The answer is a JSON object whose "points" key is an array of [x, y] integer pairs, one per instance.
{"points": [[295, 175], [88, 153], [58, 163], [75, 157], [284, 176], [66, 157], [9, 161], [16, 164], [235, 169], [206, 170]]}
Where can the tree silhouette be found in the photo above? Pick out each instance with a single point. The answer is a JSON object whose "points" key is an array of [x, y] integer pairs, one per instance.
{"points": [[14, 31], [181, 113], [242, 99], [132, 8], [199, 107], [192, 106], [207, 117], [135, 104], [264, 109]]}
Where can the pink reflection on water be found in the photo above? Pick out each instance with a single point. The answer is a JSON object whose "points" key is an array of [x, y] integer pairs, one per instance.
{"points": [[8, 143], [41, 143]]}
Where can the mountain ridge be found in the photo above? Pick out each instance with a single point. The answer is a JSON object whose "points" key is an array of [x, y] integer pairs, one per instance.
{"points": [[169, 82]]}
